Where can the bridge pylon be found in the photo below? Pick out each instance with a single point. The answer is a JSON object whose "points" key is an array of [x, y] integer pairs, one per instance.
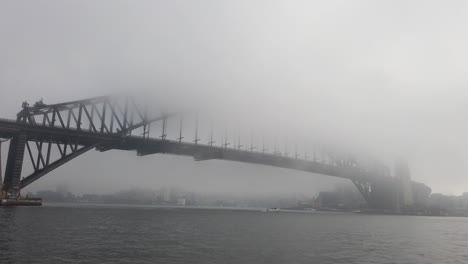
{"points": [[14, 165], [2, 194]]}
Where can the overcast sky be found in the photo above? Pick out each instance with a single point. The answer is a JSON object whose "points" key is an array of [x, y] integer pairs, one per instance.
{"points": [[386, 78]]}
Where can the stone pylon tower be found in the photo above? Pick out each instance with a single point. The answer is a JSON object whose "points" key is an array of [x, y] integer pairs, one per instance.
{"points": [[1, 169], [404, 184]]}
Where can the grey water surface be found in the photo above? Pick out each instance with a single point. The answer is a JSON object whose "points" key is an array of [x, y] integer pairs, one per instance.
{"points": [[147, 234]]}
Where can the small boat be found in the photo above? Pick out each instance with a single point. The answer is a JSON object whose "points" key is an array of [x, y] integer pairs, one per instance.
{"points": [[291, 210]]}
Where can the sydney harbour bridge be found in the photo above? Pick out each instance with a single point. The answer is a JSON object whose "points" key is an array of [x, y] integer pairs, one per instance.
{"points": [[50, 135]]}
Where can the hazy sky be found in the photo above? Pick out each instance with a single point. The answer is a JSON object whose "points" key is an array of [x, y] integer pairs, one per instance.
{"points": [[387, 78]]}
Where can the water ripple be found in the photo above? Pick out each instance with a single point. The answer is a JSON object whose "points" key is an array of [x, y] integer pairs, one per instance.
{"points": [[126, 234]]}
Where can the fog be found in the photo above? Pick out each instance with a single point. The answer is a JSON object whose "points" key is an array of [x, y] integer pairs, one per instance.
{"points": [[384, 78]]}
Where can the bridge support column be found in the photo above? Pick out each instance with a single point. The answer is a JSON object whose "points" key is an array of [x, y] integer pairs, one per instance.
{"points": [[11, 184]]}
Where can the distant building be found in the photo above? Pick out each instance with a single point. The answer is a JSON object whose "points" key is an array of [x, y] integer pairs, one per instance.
{"points": [[329, 200], [344, 197], [164, 195], [181, 202], [421, 193]]}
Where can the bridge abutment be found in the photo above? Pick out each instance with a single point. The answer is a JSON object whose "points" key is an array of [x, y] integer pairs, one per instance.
{"points": [[381, 194]]}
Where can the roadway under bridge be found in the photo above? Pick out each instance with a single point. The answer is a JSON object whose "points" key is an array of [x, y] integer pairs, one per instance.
{"points": [[52, 135]]}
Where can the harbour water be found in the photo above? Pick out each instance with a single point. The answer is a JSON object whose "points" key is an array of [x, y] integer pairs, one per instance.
{"points": [[146, 234]]}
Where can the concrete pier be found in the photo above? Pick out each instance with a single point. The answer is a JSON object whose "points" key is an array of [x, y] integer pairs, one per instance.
{"points": [[21, 202]]}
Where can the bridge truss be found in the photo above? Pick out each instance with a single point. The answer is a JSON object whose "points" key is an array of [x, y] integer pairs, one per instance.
{"points": [[79, 126]]}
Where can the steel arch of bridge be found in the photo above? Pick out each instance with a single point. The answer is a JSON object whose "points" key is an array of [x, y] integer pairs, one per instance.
{"points": [[69, 129]]}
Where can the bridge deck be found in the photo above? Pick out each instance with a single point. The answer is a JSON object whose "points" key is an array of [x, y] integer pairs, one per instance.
{"points": [[145, 146]]}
